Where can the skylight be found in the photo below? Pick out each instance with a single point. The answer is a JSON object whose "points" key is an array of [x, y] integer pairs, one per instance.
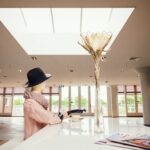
{"points": [[66, 20], [56, 31], [37, 20]]}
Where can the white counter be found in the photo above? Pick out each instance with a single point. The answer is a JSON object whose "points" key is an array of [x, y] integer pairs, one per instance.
{"points": [[71, 136]]}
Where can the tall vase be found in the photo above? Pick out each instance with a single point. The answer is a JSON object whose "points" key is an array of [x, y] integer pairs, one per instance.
{"points": [[98, 122], [95, 44]]}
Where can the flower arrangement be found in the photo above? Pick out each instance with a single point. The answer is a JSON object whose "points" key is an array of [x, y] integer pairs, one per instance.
{"points": [[95, 44]]}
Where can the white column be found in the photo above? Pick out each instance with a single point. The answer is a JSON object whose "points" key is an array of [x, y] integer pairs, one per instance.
{"points": [[109, 101], [112, 101], [145, 85], [69, 91], [79, 97]]}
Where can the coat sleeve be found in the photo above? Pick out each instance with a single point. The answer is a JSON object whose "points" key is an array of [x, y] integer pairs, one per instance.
{"points": [[38, 113]]}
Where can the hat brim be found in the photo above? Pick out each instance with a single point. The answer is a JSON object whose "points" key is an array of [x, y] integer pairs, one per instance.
{"points": [[27, 84]]}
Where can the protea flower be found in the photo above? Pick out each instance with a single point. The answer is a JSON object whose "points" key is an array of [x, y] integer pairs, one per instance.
{"points": [[95, 44]]}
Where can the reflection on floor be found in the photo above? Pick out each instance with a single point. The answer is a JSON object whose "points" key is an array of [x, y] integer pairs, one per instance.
{"points": [[2, 141], [11, 128]]}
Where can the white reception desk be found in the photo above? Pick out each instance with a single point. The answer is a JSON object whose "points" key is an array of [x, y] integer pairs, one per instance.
{"points": [[68, 136]]}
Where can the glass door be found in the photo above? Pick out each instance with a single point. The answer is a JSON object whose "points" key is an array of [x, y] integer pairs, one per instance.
{"points": [[65, 99], [134, 105], [139, 104], [131, 105], [74, 97], [55, 103], [1, 104], [133, 100], [18, 101], [7, 111], [121, 105], [84, 98]]}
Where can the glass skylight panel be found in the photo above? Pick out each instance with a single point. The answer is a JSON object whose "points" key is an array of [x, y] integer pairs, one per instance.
{"points": [[52, 44], [66, 20], [12, 20], [119, 17], [95, 19], [56, 31], [38, 20]]}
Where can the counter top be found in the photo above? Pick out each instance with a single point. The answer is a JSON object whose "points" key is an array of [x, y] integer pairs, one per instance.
{"points": [[66, 136]]}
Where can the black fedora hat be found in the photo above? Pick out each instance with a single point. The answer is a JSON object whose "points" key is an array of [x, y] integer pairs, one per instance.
{"points": [[36, 76]]}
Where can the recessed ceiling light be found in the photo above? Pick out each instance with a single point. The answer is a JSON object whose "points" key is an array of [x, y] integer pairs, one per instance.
{"points": [[138, 75], [103, 58], [20, 70], [122, 70], [34, 58], [106, 81], [71, 70], [134, 58]]}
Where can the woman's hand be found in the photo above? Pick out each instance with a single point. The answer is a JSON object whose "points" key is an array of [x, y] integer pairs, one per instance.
{"points": [[66, 115], [55, 120]]}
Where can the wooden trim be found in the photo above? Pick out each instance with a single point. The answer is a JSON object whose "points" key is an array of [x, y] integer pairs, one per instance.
{"points": [[89, 99], [60, 99], [135, 98], [125, 94], [12, 101], [50, 98], [79, 96], [136, 113], [3, 100], [69, 97]]}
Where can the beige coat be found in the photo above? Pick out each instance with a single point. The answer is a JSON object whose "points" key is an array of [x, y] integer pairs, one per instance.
{"points": [[36, 115]]}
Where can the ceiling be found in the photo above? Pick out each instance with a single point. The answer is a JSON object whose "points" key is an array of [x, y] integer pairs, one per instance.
{"points": [[132, 41]]}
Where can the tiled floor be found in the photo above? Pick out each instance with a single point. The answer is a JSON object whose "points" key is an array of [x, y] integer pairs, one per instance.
{"points": [[11, 127]]}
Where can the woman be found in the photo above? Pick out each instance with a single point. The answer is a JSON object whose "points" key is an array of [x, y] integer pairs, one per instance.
{"points": [[36, 115]]}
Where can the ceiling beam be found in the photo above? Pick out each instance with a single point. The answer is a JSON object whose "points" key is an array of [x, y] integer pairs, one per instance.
{"points": [[52, 17]]}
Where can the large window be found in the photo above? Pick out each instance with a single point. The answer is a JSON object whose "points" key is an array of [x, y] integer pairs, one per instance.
{"points": [[131, 103], [84, 97], [93, 94], [18, 101], [8, 101], [65, 98], [1, 104], [103, 97], [55, 103], [121, 105], [1, 100], [74, 97], [130, 100], [12, 99], [140, 103], [7, 104]]}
